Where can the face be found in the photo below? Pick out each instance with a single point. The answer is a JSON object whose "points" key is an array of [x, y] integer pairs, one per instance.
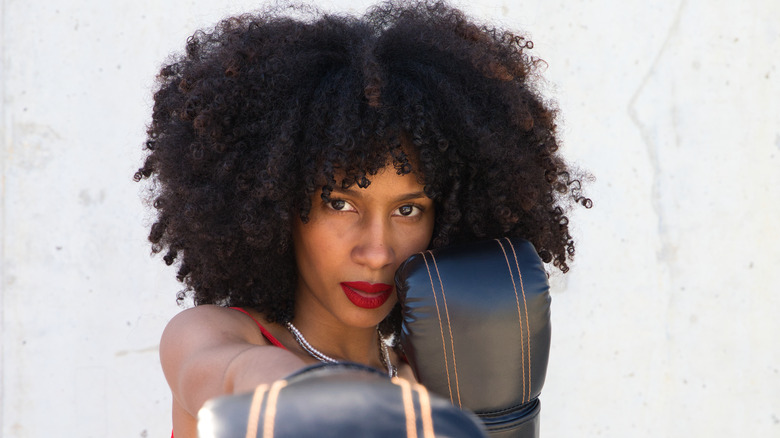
{"points": [[348, 251]]}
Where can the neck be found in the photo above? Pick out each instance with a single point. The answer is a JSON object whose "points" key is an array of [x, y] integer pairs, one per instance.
{"points": [[360, 345]]}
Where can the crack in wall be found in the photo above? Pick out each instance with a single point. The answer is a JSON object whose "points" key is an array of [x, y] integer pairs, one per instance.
{"points": [[664, 252], [652, 147]]}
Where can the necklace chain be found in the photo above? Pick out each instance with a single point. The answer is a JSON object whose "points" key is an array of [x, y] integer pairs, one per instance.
{"points": [[322, 357]]}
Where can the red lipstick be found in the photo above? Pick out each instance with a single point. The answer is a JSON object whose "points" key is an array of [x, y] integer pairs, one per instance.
{"points": [[367, 295]]}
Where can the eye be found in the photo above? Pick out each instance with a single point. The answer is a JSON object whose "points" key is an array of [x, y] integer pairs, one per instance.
{"points": [[340, 205], [409, 210]]}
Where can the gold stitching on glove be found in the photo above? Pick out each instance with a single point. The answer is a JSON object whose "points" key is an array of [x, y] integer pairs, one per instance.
{"points": [[517, 301], [254, 411], [270, 409], [425, 411], [441, 329], [449, 327], [406, 396], [527, 327]]}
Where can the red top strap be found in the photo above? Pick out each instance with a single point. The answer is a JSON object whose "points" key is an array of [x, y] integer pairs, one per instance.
{"points": [[266, 333]]}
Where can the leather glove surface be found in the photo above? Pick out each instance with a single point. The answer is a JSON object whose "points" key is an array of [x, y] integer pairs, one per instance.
{"points": [[336, 400], [476, 329]]}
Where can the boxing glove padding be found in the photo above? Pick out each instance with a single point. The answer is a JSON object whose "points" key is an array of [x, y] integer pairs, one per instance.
{"points": [[336, 400], [476, 329]]}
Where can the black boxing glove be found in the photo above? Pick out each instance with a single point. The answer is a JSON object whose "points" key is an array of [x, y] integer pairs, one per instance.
{"points": [[476, 329], [336, 400]]}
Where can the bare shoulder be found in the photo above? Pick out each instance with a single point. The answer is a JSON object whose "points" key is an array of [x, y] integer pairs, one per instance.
{"points": [[208, 350], [209, 322], [204, 327]]}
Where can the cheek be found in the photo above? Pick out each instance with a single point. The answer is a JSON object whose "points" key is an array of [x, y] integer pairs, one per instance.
{"points": [[309, 243], [428, 234], [418, 240]]}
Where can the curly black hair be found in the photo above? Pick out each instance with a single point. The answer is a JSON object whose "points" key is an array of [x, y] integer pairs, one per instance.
{"points": [[262, 111]]}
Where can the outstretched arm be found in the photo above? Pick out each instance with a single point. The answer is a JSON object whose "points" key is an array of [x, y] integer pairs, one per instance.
{"points": [[209, 351]]}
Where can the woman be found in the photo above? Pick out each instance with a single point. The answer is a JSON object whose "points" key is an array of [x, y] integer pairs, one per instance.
{"points": [[298, 161]]}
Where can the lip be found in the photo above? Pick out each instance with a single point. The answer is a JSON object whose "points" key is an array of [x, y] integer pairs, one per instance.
{"points": [[367, 295]]}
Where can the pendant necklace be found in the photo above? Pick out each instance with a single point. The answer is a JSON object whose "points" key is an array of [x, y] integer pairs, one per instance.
{"points": [[384, 354]]}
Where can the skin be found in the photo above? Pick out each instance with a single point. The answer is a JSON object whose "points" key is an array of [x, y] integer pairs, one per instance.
{"points": [[360, 235]]}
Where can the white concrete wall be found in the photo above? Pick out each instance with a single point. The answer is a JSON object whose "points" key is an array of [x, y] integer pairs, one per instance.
{"points": [[665, 326]]}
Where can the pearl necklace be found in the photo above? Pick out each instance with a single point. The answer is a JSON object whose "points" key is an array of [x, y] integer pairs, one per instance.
{"points": [[322, 357]]}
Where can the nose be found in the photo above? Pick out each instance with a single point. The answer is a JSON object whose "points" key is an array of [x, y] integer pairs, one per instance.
{"points": [[374, 248]]}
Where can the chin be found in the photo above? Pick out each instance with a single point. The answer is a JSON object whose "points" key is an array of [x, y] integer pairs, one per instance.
{"points": [[367, 318]]}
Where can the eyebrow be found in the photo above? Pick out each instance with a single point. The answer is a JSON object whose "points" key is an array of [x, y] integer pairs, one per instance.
{"points": [[404, 197]]}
